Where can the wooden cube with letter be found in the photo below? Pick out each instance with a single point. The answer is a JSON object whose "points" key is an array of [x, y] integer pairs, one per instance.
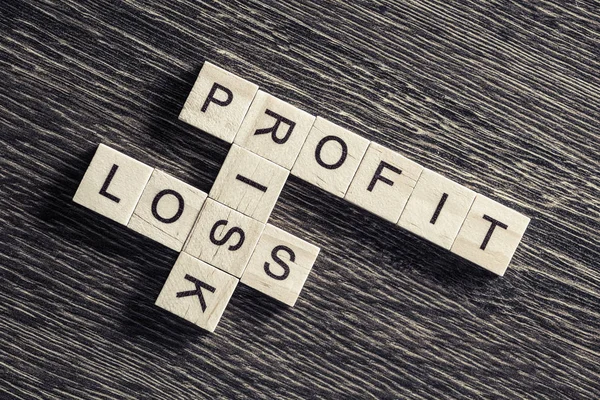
{"points": [[112, 184], [223, 237], [280, 265], [197, 292]]}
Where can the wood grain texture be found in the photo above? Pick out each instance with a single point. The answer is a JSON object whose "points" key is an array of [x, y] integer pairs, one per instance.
{"points": [[502, 97]]}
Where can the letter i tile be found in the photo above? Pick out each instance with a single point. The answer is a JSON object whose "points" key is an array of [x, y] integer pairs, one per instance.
{"points": [[437, 209], [249, 183]]}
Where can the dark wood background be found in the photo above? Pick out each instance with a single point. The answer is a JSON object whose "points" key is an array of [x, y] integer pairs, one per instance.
{"points": [[502, 97]]}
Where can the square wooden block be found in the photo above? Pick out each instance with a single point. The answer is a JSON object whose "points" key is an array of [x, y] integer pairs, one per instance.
{"points": [[223, 237], [167, 210], [437, 209], [330, 157], [280, 265], [112, 184], [218, 102], [490, 234], [383, 183], [274, 129], [197, 292], [249, 183]]}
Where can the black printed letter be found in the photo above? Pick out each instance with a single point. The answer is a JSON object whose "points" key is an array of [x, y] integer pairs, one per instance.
{"points": [[342, 157], [273, 130], [438, 209], [282, 264], [379, 177], [252, 183], [198, 292], [212, 99], [179, 207], [109, 178], [227, 236], [488, 235]]}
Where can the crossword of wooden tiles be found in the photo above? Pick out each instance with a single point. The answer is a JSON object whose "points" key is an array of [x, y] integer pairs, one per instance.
{"points": [[224, 237]]}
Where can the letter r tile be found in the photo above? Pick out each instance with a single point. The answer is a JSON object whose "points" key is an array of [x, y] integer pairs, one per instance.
{"points": [[383, 183], [218, 102], [197, 292], [223, 237], [249, 183], [490, 234], [112, 184], [274, 129]]}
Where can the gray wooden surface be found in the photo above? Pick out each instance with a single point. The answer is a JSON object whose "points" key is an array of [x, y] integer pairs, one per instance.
{"points": [[502, 97]]}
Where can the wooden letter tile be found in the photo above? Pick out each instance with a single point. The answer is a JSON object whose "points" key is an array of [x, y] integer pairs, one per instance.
{"points": [[167, 210], [223, 237], [330, 157], [249, 183], [197, 292], [383, 183], [280, 265], [218, 102], [274, 129], [112, 184], [437, 209], [490, 234]]}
